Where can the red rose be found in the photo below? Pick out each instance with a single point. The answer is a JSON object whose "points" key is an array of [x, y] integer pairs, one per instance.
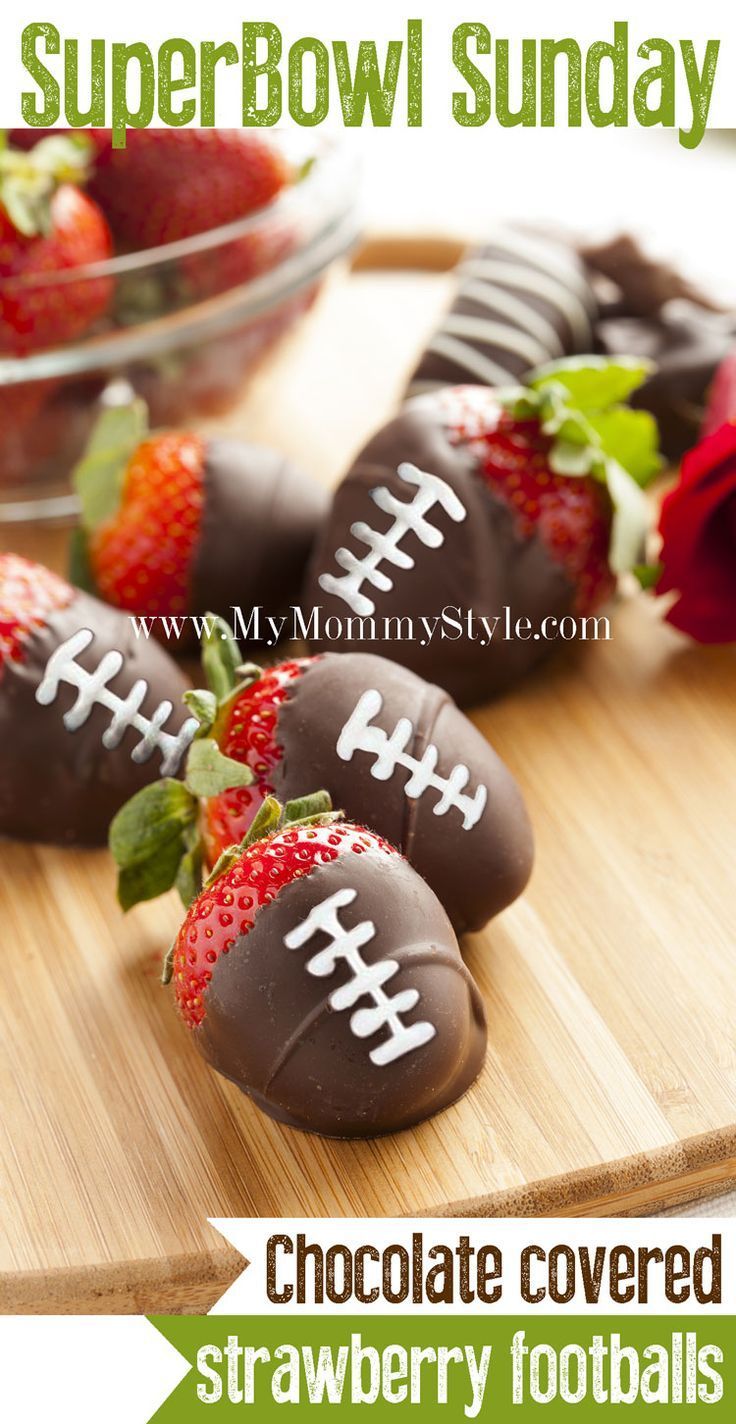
{"points": [[698, 528]]}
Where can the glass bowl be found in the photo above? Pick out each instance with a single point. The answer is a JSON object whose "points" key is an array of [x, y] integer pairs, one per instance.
{"points": [[185, 326]]}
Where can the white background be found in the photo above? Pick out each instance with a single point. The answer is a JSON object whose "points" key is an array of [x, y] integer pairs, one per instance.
{"points": [[449, 179]]}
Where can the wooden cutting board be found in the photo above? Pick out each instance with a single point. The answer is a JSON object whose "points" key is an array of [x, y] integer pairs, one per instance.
{"points": [[610, 1085]]}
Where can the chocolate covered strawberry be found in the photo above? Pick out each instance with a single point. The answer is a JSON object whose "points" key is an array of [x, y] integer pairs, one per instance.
{"points": [[88, 713], [318, 971], [48, 227], [175, 523], [390, 748], [478, 518]]}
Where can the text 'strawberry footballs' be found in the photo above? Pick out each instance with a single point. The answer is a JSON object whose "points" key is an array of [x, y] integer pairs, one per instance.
{"points": [[319, 972]]}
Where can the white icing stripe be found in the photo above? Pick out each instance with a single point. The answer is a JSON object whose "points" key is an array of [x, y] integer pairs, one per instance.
{"points": [[366, 982], [497, 334], [93, 691], [468, 359], [548, 257], [499, 299], [528, 279], [407, 518], [389, 752]]}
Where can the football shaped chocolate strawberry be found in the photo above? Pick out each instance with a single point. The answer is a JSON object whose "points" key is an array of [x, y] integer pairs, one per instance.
{"points": [[48, 227], [175, 523], [473, 523], [320, 973], [392, 749], [86, 710]]}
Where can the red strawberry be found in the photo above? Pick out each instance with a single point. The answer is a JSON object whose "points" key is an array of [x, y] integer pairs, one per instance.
{"points": [[568, 458], [48, 227], [227, 909], [240, 260], [247, 732], [28, 592], [571, 515], [722, 398], [175, 524], [141, 555], [168, 184]]}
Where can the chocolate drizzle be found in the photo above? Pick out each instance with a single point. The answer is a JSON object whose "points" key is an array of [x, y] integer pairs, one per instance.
{"points": [[271, 1027], [62, 786]]}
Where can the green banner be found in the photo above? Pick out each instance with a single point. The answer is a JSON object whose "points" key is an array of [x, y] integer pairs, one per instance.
{"points": [[449, 1368]]}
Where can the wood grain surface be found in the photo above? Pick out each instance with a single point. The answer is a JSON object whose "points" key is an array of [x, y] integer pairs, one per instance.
{"points": [[610, 1084]]}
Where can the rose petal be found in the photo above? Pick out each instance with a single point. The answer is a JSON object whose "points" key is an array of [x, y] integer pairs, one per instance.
{"points": [[698, 528]]}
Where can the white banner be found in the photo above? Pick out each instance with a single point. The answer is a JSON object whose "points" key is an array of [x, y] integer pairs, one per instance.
{"points": [[382, 1265], [685, 29]]}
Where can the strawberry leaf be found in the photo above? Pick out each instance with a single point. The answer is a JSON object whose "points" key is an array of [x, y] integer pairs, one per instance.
{"points": [[151, 878], [224, 862], [189, 874], [593, 383], [64, 157], [203, 705], [221, 658], [648, 575], [149, 838], [265, 823], [209, 772], [80, 569], [155, 816], [307, 808], [567, 458], [28, 181], [99, 476], [631, 437], [631, 518]]}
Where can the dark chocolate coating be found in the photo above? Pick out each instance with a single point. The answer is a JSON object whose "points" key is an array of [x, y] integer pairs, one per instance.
{"points": [[268, 1025], [649, 309], [642, 284], [260, 518], [484, 563], [687, 345], [522, 301], [475, 872], [64, 786]]}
